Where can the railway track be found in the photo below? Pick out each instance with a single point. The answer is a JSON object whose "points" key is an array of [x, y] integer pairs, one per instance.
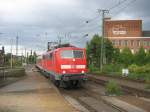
{"points": [[89, 96], [127, 89]]}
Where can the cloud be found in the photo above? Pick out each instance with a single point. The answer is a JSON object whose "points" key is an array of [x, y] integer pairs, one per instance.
{"points": [[31, 19]]}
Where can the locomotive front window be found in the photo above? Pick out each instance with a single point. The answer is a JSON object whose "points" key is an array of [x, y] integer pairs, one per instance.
{"points": [[78, 54], [67, 54], [72, 54]]}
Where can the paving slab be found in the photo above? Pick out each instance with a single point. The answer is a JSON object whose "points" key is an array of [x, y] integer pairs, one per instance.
{"points": [[33, 94]]}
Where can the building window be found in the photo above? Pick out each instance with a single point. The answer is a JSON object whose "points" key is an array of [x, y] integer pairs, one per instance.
{"points": [[146, 43], [126, 43], [149, 43], [113, 42], [119, 42], [132, 42], [141, 43], [138, 43]]}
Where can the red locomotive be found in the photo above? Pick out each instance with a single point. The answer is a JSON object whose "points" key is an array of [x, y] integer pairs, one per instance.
{"points": [[66, 66]]}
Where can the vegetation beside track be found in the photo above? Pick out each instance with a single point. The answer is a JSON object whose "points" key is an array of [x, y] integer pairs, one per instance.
{"points": [[138, 64], [112, 88]]}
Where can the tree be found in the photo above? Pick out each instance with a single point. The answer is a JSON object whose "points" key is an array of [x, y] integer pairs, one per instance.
{"points": [[7, 59], [116, 56], [148, 57], [109, 50], [140, 57], [93, 49], [126, 57], [32, 57]]}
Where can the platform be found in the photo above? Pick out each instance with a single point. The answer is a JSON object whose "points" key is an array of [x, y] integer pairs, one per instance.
{"points": [[34, 93]]}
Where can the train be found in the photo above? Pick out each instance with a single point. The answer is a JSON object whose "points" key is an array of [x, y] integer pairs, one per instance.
{"points": [[65, 65]]}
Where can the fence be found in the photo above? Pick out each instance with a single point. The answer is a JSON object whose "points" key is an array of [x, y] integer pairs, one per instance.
{"points": [[7, 72]]}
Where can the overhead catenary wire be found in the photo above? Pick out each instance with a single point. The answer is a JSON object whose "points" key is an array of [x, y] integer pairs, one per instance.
{"points": [[84, 25], [111, 8], [127, 5], [118, 4]]}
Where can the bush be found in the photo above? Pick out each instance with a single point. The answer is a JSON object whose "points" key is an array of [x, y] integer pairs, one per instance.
{"points": [[112, 68], [93, 68], [139, 72], [139, 69], [112, 88]]}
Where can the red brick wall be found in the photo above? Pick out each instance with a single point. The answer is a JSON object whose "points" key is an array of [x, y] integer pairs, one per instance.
{"points": [[123, 28]]}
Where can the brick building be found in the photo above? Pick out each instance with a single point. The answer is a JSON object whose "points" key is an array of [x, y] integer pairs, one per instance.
{"points": [[127, 33]]}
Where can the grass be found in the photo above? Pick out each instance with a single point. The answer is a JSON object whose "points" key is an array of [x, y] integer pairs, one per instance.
{"points": [[112, 88], [147, 84]]}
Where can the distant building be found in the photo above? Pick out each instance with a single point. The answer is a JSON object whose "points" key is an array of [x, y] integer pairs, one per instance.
{"points": [[127, 33]]}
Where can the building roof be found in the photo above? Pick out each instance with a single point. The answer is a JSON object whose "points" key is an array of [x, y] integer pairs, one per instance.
{"points": [[146, 33]]}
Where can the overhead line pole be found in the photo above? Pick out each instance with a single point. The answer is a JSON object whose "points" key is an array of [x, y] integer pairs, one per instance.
{"points": [[11, 59], [17, 45], [102, 55]]}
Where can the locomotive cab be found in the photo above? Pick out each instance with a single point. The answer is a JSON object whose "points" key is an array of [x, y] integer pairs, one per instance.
{"points": [[65, 65], [72, 64]]}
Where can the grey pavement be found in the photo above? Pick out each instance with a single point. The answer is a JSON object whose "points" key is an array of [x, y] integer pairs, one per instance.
{"points": [[33, 94]]}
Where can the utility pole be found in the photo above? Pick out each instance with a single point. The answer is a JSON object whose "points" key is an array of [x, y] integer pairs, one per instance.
{"points": [[25, 56], [17, 45], [102, 57], [11, 58], [59, 40], [46, 38], [22, 56]]}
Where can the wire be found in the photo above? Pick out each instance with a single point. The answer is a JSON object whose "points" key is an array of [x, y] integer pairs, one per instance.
{"points": [[131, 2], [91, 20], [118, 4]]}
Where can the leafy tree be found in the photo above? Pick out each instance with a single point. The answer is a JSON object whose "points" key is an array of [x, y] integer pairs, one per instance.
{"points": [[126, 57], [32, 57], [116, 56], [94, 51], [148, 57], [109, 51], [140, 57]]}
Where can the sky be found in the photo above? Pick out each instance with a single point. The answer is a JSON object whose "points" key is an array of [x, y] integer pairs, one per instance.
{"points": [[36, 22]]}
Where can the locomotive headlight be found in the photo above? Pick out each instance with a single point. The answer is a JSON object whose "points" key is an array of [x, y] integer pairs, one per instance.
{"points": [[63, 71], [82, 71]]}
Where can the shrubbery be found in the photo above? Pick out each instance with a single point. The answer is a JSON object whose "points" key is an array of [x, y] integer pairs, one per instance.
{"points": [[139, 72], [112, 88], [93, 68], [139, 69], [112, 68], [114, 60]]}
